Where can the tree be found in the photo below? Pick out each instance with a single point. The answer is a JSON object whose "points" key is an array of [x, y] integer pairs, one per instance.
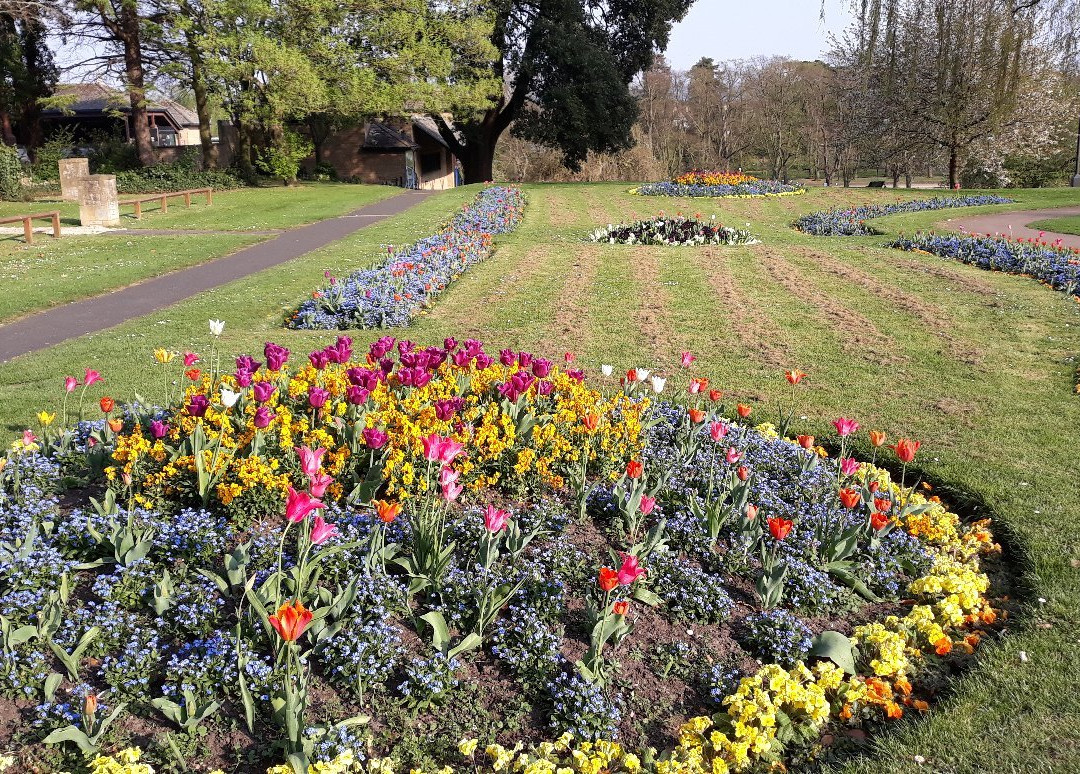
{"points": [[565, 67], [27, 74]]}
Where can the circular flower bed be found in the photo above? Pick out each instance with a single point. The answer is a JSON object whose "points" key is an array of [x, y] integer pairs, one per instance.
{"points": [[433, 558], [852, 221], [701, 183], [678, 230]]}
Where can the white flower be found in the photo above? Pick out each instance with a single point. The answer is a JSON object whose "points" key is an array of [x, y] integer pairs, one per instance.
{"points": [[217, 326], [228, 397], [642, 374], [658, 384], [606, 370]]}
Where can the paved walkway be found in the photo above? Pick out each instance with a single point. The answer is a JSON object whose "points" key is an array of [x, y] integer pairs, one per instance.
{"points": [[1014, 224], [52, 326]]}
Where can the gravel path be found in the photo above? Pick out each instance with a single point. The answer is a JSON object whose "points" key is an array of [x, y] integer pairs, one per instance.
{"points": [[52, 326]]}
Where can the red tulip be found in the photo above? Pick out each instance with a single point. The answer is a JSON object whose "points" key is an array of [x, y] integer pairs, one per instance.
{"points": [[795, 376], [779, 527], [715, 395], [850, 498], [744, 410], [634, 469], [291, 620], [591, 421], [743, 472], [879, 521], [107, 404], [607, 579], [696, 415], [906, 448], [882, 504], [621, 607], [806, 441]]}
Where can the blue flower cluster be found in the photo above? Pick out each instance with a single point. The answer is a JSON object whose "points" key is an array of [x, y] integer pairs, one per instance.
{"points": [[363, 655], [390, 294], [777, 636], [755, 188], [527, 645], [427, 680], [583, 709], [689, 592], [720, 681], [852, 221], [1057, 266]]}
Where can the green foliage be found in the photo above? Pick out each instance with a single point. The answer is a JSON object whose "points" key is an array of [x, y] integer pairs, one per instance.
{"points": [[282, 160], [11, 173], [111, 153], [174, 177], [47, 157]]}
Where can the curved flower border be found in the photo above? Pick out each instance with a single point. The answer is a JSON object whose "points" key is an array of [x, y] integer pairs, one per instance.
{"points": [[852, 221], [677, 231], [755, 190]]}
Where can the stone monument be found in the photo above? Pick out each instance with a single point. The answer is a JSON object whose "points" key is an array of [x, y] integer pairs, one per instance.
{"points": [[98, 203], [72, 173]]}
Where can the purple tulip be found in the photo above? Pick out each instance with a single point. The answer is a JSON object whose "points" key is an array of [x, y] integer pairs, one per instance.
{"points": [[276, 356], [198, 405], [374, 438], [317, 396], [158, 429], [263, 391], [356, 395], [449, 343], [545, 387], [524, 359], [243, 378], [507, 357], [320, 359], [541, 367], [247, 363], [263, 415], [483, 361]]}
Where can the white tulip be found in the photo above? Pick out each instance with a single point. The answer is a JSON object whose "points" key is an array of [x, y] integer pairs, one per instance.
{"points": [[217, 326], [606, 370], [642, 374], [658, 384], [228, 397]]}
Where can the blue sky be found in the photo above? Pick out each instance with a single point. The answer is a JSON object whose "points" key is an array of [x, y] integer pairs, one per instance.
{"points": [[738, 29]]}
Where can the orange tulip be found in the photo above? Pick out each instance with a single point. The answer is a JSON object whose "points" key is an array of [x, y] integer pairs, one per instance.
{"points": [[878, 521], [291, 620], [194, 374], [794, 376], [607, 579], [90, 704], [696, 416], [877, 437], [387, 511], [779, 527], [107, 404], [850, 498], [715, 395], [116, 425], [806, 441], [621, 607], [591, 421], [744, 410], [906, 448]]}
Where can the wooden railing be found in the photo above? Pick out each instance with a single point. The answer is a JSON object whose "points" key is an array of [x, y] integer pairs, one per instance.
{"points": [[28, 230], [163, 199]]}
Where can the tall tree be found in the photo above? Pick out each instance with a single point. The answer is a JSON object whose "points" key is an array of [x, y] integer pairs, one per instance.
{"points": [[566, 68], [27, 74]]}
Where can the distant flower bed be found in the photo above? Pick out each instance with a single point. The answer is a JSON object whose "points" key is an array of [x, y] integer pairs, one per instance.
{"points": [[305, 560], [701, 183], [852, 221], [392, 293], [1051, 263], [678, 230]]}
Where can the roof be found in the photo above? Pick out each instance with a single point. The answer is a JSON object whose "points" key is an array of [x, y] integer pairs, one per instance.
{"points": [[427, 125], [381, 137], [97, 98]]}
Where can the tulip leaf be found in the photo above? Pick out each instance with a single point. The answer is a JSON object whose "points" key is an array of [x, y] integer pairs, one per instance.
{"points": [[836, 648]]}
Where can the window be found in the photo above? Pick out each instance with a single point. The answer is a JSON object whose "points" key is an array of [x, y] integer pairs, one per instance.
{"points": [[430, 162], [165, 138]]}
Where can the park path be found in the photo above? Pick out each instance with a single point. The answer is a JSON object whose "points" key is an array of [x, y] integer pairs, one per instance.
{"points": [[1014, 224], [97, 313]]}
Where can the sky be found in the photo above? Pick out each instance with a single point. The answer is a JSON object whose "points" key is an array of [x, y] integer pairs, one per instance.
{"points": [[739, 29]]}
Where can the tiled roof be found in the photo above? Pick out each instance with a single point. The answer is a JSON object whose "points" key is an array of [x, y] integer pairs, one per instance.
{"points": [[97, 98], [382, 137]]}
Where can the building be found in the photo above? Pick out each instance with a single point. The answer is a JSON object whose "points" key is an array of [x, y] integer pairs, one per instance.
{"points": [[92, 108]]}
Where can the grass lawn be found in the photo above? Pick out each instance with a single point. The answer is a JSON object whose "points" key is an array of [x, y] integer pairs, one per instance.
{"points": [[977, 365], [244, 209], [1069, 225]]}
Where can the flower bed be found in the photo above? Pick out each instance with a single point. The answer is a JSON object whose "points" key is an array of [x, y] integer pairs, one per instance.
{"points": [[701, 183], [420, 557], [1053, 264], [678, 230], [852, 221], [391, 294]]}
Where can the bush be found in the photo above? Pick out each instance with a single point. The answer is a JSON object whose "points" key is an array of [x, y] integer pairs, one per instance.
{"points": [[282, 161], [111, 153], [11, 173], [47, 157], [178, 176]]}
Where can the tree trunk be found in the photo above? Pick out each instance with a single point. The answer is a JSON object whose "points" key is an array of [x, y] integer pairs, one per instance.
{"points": [[125, 28], [7, 136], [954, 166], [242, 155], [202, 103], [477, 162]]}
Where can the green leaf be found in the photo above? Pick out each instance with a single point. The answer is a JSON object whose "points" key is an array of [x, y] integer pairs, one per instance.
{"points": [[440, 634], [835, 647], [471, 642]]}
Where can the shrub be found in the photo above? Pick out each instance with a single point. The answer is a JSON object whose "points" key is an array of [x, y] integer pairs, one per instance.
{"points": [[11, 173], [47, 157], [282, 161], [174, 177]]}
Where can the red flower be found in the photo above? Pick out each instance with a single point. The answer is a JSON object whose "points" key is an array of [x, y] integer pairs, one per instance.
{"points": [[116, 425], [795, 376], [883, 504], [194, 374], [779, 527], [744, 410], [906, 448], [291, 620], [107, 404], [850, 498], [621, 607], [634, 469], [743, 472], [879, 520], [591, 421], [806, 441], [607, 579], [696, 416], [387, 511], [715, 395]]}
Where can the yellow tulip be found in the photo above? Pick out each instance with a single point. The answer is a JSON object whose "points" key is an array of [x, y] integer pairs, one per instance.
{"points": [[164, 356], [45, 418]]}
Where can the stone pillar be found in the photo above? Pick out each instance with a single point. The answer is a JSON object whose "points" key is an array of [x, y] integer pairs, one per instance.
{"points": [[98, 202], [72, 173]]}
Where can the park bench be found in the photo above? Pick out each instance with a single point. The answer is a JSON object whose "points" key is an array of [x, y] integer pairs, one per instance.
{"points": [[163, 199], [28, 230], [876, 184]]}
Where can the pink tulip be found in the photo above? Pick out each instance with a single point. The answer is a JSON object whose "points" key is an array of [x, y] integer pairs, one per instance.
{"points": [[718, 430], [299, 505], [440, 449], [70, 383], [845, 427], [321, 531], [28, 437], [849, 467], [452, 491], [310, 459], [732, 456], [318, 483], [92, 377], [647, 504], [495, 519], [190, 359], [630, 570], [687, 359]]}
